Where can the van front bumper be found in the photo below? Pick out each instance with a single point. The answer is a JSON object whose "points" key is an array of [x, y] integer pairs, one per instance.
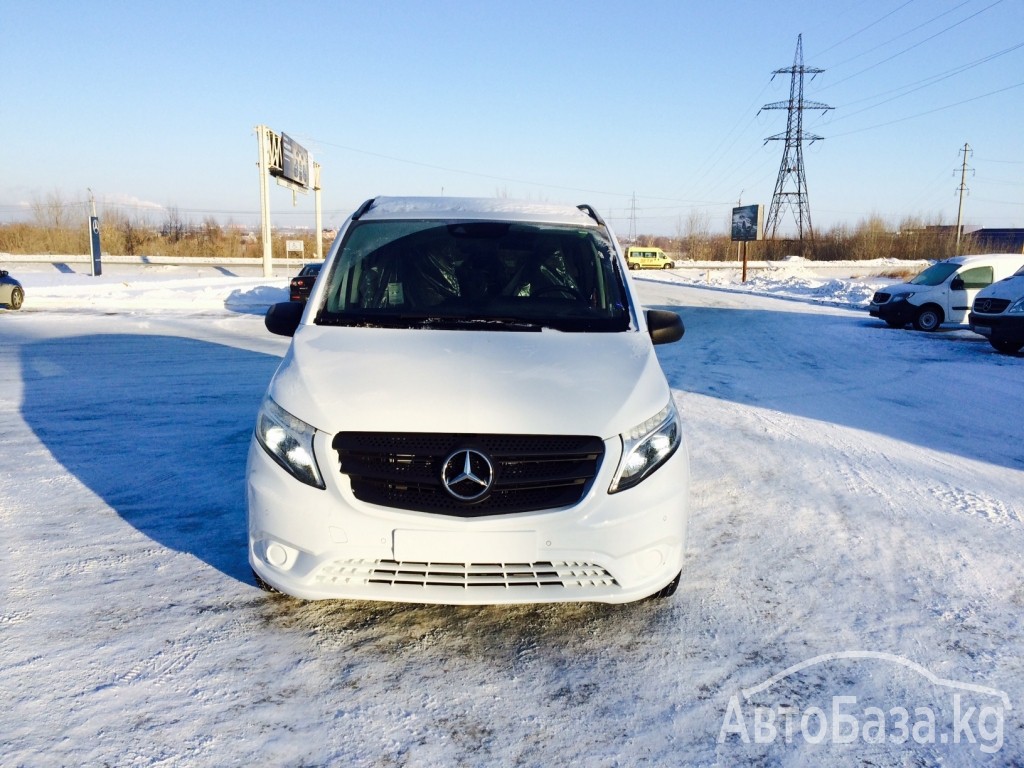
{"points": [[614, 548], [998, 328], [894, 312]]}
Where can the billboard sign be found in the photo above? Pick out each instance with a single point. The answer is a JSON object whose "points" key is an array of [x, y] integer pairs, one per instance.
{"points": [[748, 223], [295, 165]]}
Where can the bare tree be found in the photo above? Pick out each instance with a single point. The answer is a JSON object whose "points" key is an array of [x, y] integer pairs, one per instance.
{"points": [[53, 212], [175, 227]]}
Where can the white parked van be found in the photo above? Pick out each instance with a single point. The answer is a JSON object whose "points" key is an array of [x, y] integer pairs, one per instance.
{"points": [[471, 411], [942, 293], [998, 313]]}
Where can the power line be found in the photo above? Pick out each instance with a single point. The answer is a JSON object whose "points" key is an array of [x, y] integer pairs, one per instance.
{"points": [[915, 45], [930, 111], [918, 85], [865, 29]]}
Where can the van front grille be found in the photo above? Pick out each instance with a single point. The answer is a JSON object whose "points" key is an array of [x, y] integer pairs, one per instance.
{"points": [[527, 472], [991, 306]]}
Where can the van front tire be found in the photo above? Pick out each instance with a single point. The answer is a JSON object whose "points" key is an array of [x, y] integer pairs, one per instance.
{"points": [[1006, 347], [668, 590], [928, 319]]}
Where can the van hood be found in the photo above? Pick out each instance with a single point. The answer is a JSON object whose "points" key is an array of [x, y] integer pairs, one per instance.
{"points": [[898, 289], [1011, 288], [415, 380]]}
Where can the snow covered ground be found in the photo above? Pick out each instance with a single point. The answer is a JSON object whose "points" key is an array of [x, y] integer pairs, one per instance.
{"points": [[853, 593]]}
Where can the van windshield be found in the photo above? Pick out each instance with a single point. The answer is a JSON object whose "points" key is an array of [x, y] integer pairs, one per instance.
{"points": [[936, 274], [480, 275]]}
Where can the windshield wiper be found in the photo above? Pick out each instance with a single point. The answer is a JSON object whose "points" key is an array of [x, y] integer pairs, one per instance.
{"points": [[424, 320]]}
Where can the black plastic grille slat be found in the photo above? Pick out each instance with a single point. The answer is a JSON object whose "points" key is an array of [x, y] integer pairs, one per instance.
{"points": [[531, 472]]}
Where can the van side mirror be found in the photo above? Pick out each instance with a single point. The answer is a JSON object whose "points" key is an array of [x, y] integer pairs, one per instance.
{"points": [[283, 318], [664, 327], [957, 284]]}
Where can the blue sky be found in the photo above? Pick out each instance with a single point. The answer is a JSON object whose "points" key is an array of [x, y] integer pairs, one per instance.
{"points": [[153, 104]]}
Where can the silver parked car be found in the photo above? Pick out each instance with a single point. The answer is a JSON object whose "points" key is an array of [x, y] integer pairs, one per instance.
{"points": [[11, 292]]}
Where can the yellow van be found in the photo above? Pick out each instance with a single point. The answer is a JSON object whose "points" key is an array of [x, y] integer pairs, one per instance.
{"points": [[641, 257]]}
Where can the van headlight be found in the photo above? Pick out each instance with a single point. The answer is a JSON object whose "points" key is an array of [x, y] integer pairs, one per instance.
{"points": [[289, 441], [646, 447], [901, 297], [1017, 307]]}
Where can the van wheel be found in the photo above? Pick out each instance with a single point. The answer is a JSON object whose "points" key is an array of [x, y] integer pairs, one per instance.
{"points": [[928, 319], [1006, 347], [668, 590], [666, 266], [17, 296], [262, 584]]}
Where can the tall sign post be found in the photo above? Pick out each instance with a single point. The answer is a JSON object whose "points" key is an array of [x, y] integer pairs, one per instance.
{"points": [[94, 238], [292, 166], [747, 225], [319, 210]]}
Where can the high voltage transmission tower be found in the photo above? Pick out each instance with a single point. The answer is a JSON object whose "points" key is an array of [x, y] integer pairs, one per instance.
{"points": [[791, 185]]}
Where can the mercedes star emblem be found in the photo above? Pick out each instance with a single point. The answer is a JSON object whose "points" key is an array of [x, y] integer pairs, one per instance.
{"points": [[467, 474]]}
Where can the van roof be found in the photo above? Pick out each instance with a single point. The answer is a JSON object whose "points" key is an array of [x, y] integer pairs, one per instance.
{"points": [[470, 208], [971, 258]]}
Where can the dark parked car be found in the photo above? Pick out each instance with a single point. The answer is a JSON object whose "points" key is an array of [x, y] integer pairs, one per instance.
{"points": [[302, 283], [11, 292]]}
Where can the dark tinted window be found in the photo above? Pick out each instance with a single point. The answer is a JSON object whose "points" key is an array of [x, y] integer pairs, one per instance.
{"points": [[471, 273], [936, 274]]}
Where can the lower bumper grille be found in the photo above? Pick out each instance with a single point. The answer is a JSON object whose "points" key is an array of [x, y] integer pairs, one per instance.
{"points": [[465, 576]]}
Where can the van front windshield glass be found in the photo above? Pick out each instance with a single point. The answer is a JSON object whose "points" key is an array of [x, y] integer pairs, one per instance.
{"points": [[480, 275], [936, 274]]}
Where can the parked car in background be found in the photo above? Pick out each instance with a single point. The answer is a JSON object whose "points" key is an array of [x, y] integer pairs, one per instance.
{"points": [[998, 313], [471, 412], [646, 257], [942, 293], [303, 282], [11, 292]]}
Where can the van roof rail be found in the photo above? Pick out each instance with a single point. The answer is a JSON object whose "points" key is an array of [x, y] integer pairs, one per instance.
{"points": [[587, 209], [362, 209]]}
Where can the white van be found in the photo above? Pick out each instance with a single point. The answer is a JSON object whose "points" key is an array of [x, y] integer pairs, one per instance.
{"points": [[998, 313], [471, 411], [942, 293]]}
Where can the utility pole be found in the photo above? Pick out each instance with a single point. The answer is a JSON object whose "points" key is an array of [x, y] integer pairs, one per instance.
{"points": [[962, 189], [791, 170], [631, 239]]}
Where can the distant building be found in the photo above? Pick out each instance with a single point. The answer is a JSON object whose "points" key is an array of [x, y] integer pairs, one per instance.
{"points": [[986, 239], [1008, 240]]}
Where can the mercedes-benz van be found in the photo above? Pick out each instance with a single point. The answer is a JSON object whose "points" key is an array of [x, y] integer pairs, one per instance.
{"points": [[998, 313], [470, 411], [943, 292]]}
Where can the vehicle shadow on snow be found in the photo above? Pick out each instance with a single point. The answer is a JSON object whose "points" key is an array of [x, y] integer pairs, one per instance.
{"points": [[935, 390], [158, 427]]}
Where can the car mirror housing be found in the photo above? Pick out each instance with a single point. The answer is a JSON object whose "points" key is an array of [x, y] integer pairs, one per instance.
{"points": [[283, 318], [664, 327]]}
